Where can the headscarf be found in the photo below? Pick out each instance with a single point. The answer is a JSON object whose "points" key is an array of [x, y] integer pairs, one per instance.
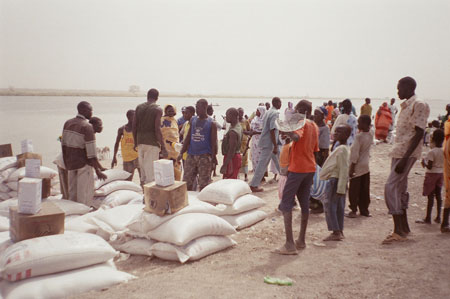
{"points": [[257, 122]]}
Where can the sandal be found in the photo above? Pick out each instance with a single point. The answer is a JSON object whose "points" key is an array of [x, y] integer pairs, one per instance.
{"points": [[283, 251], [423, 221], [333, 237], [394, 237]]}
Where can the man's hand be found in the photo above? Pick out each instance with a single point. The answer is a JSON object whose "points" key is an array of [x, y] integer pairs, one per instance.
{"points": [[223, 169], [101, 175], [180, 156], [214, 160], [135, 147], [114, 162], [401, 165], [275, 150]]}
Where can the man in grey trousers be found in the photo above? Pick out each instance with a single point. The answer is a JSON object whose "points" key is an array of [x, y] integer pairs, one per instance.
{"points": [[407, 148]]}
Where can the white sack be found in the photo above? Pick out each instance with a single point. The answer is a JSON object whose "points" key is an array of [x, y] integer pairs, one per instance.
{"points": [[194, 250], [4, 224], [245, 219], [117, 185], [4, 195], [138, 246], [7, 162], [12, 194], [115, 220], [46, 173], [5, 242], [224, 191], [182, 229], [81, 223], [4, 175], [64, 284], [120, 197], [112, 175], [242, 204], [69, 207], [12, 186], [53, 254], [4, 206], [145, 222], [4, 188]]}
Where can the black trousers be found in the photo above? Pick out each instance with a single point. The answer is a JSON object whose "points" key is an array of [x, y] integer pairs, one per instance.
{"points": [[359, 193]]}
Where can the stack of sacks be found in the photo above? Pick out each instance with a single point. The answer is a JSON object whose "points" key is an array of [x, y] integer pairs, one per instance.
{"points": [[189, 234], [7, 167], [57, 266], [14, 175], [115, 190], [235, 202]]}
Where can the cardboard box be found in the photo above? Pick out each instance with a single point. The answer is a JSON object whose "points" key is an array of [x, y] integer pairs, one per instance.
{"points": [[165, 200], [30, 195], [33, 168], [49, 221], [23, 157], [46, 187], [5, 150], [163, 170]]}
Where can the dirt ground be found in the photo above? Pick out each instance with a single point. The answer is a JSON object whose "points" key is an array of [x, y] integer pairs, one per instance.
{"points": [[357, 267]]}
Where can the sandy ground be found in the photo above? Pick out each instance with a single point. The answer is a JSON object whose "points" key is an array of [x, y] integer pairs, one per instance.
{"points": [[358, 267]]}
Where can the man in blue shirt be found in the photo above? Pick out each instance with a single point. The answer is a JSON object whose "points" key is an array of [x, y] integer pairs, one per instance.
{"points": [[201, 146], [268, 144]]}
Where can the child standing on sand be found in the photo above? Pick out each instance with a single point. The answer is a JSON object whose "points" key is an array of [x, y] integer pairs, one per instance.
{"points": [[434, 176], [335, 169], [284, 164], [359, 189]]}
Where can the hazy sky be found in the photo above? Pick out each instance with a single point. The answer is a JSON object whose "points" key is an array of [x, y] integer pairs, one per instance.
{"points": [[339, 48]]}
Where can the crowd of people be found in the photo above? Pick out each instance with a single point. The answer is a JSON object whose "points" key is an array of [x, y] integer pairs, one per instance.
{"points": [[332, 144]]}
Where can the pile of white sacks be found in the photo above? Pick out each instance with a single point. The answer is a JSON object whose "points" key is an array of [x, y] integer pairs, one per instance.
{"points": [[120, 224], [57, 266], [10, 175]]}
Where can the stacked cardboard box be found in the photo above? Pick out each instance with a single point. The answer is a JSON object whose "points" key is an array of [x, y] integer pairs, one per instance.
{"points": [[165, 195]]}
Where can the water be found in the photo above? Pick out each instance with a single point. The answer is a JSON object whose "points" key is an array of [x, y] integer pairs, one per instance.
{"points": [[42, 118]]}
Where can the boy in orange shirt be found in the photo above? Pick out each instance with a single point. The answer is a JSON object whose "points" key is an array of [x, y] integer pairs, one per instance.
{"points": [[301, 169], [284, 164]]}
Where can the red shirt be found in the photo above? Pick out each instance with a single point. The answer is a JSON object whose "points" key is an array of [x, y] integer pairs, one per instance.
{"points": [[302, 151]]}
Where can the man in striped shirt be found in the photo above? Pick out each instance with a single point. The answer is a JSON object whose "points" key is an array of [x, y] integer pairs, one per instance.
{"points": [[80, 155]]}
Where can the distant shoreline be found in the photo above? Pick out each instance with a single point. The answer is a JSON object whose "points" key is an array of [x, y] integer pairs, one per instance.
{"points": [[118, 93]]}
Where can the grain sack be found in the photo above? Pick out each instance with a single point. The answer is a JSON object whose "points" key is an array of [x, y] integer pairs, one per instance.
{"points": [[4, 195], [4, 188], [194, 250], [4, 175], [5, 241], [115, 220], [224, 191], [46, 173], [145, 222], [112, 175], [135, 246], [118, 198], [245, 219], [53, 254], [64, 284], [242, 204], [182, 229], [117, 185], [81, 224], [7, 162], [12, 186], [69, 207], [12, 194]]}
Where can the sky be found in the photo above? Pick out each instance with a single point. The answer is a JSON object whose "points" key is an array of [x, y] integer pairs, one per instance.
{"points": [[316, 48]]}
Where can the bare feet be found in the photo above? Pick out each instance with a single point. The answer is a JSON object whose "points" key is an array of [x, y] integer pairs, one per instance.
{"points": [[286, 250], [300, 244], [334, 236]]}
